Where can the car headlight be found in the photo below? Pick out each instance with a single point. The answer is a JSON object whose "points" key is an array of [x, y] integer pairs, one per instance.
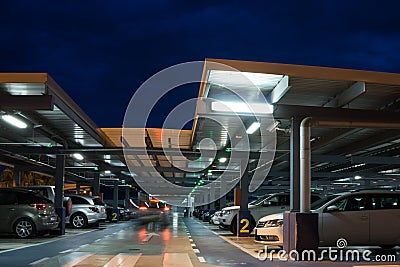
{"points": [[274, 223], [226, 212]]}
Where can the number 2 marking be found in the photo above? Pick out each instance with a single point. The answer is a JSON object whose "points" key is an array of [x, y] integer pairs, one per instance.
{"points": [[114, 216], [246, 224]]}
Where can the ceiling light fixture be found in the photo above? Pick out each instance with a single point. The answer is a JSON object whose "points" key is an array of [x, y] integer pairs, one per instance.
{"points": [[14, 121], [77, 156], [222, 160], [253, 127], [242, 107]]}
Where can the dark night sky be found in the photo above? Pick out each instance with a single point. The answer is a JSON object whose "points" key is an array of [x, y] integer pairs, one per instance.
{"points": [[101, 51]]}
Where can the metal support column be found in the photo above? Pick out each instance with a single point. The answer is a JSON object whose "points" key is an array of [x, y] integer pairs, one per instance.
{"points": [[244, 223], [212, 196], [295, 165], [96, 184], [115, 212], [127, 196], [59, 194]]}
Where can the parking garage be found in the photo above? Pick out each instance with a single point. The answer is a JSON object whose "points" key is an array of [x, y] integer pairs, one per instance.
{"points": [[334, 130]]}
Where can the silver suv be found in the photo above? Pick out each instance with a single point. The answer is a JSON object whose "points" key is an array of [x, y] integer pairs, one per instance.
{"points": [[25, 213], [86, 210]]}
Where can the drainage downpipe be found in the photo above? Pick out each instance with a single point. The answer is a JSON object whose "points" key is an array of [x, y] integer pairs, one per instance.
{"points": [[305, 149]]}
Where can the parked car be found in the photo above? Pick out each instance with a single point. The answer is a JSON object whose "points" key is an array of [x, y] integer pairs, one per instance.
{"points": [[48, 191], [86, 210], [268, 204], [366, 217], [124, 214], [215, 217], [25, 213]]}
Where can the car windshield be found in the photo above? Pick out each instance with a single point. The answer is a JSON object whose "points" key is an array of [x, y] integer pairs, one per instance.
{"points": [[322, 201], [259, 200]]}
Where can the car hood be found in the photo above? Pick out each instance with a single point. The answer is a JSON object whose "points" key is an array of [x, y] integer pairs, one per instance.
{"points": [[276, 216], [237, 207]]}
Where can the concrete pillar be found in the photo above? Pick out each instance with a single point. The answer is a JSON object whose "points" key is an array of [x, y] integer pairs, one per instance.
{"points": [[59, 194], [127, 196], [295, 165], [212, 196], [17, 176], [115, 194], [96, 184], [244, 186], [59, 181]]}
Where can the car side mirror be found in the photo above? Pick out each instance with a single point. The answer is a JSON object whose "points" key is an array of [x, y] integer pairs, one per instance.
{"points": [[332, 208]]}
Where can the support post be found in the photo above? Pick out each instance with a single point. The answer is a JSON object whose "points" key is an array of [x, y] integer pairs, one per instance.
{"points": [[96, 184], [115, 212], [295, 165], [244, 223], [59, 194]]}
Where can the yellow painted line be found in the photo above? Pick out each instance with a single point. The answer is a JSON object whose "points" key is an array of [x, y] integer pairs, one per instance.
{"points": [[176, 260], [77, 260], [123, 260]]}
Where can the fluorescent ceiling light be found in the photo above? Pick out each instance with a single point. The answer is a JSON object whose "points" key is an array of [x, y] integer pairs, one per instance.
{"points": [[77, 156], [237, 79], [357, 177], [14, 121], [107, 172], [242, 107], [253, 127], [222, 160]]}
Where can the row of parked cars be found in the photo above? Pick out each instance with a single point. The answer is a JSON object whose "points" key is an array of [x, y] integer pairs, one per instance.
{"points": [[29, 211], [364, 217]]}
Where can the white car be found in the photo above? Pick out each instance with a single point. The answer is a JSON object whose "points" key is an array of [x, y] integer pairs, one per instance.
{"points": [[268, 204], [215, 217], [367, 217]]}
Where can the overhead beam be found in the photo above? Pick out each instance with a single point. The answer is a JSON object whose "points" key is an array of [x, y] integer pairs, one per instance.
{"points": [[348, 95], [26, 102], [280, 90]]}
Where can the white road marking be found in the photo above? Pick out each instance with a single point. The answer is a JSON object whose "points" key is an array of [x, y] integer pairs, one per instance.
{"points": [[39, 261], [196, 250], [176, 260], [97, 240], [82, 246], [66, 251], [191, 240], [193, 244], [201, 259]]}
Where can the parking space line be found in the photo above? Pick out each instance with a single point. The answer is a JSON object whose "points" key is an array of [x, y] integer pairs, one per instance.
{"points": [[201, 259], [176, 259], [193, 244], [97, 240], [66, 251], [196, 250], [39, 261]]}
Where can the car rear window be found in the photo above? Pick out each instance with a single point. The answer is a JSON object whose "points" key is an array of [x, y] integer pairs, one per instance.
{"points": [[78, 200], [28, 198], [388, 201], [98, 201]]}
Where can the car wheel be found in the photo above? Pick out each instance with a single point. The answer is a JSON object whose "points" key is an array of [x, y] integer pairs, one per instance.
{"points": [[24, 228], [79, 220], [234, 225]]}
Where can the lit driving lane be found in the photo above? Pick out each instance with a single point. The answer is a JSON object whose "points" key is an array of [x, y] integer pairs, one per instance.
{"points": [[133, 243]]}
